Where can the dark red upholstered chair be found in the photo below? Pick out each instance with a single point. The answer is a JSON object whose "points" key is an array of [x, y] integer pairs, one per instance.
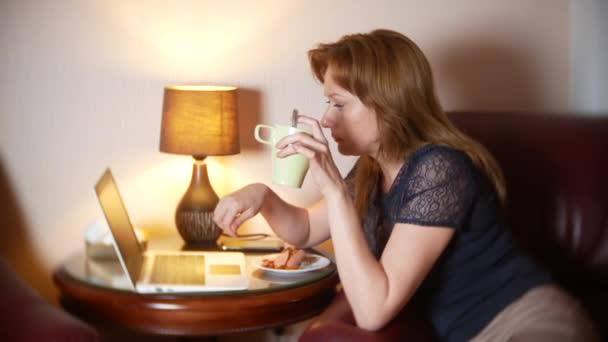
{"points": [[337, 324], [556, 168], [26, 317]]}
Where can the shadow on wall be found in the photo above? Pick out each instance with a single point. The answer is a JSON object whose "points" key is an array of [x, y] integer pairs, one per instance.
{"points": [[250, 106], [16, 245], [489, 76]]}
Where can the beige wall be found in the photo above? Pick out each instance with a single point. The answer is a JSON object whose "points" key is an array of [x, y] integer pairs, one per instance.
{"points": [[81, 89], [588, 55]]}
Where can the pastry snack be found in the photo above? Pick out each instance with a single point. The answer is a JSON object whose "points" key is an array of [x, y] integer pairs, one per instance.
{"points": [[289, 259]]}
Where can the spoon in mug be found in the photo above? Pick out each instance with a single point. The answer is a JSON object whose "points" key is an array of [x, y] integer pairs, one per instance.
{"points": [[294, 118]]}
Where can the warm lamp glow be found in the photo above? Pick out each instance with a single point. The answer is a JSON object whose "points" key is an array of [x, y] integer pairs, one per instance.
{"points": [[192, 39]]}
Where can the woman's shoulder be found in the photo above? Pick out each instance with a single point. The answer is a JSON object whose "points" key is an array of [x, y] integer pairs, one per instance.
{"points": [[436, 150], [434, 155], [434, 165]]}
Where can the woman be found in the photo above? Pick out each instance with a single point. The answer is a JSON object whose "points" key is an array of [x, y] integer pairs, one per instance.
{"points": [[421, 210]]}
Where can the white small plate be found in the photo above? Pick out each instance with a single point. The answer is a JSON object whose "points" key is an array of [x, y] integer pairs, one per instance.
{"points": [[311, 262]]}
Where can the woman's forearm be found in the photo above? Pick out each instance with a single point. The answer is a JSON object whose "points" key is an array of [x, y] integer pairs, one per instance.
{"points": [[363, 279], [289, 222]]}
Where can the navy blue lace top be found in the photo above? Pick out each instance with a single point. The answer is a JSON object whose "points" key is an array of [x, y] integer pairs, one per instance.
{"points": [[481, 271]]}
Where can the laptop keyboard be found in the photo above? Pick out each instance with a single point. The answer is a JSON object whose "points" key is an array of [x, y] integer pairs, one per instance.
{"points": [[178, 269]]}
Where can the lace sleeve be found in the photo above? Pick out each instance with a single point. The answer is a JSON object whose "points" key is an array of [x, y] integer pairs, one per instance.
{"points": [[438, 189]]}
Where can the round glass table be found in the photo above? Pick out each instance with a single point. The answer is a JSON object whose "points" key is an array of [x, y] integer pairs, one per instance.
{"points": [[98, 291]]}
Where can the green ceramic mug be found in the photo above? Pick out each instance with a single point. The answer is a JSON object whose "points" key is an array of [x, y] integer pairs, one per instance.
{"points": [[290, 170]]}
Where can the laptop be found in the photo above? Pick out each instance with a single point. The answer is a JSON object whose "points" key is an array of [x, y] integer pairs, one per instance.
{"points": [[165, 271]]}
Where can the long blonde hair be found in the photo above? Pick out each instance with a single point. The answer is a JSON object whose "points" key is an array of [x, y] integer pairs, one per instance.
{"points": [[389, 73]]}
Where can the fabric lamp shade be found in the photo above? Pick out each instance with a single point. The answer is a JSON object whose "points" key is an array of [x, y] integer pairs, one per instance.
{"points": [[199, 121]]}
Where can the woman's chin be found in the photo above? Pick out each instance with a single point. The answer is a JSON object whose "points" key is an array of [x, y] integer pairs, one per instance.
{"points": [[345, 151]]}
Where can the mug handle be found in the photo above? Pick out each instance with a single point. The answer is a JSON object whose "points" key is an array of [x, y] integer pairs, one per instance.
{"points": [[257, 133]]}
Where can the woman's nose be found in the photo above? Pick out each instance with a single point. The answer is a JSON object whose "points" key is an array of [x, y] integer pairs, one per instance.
{"points": [[325, 120]]}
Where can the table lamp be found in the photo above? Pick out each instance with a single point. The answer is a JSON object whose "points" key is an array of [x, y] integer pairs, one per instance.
{"points": [[199, 121]]}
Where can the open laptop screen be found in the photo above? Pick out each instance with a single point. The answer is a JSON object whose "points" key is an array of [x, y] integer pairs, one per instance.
{"points": [[129, 250]]}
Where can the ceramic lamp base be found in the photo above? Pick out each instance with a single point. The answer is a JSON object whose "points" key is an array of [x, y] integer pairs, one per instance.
{"points": [[194, 214], [197, 227]]}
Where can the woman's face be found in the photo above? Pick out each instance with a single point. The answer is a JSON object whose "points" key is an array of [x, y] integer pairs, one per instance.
{"points": [[353, 125]]}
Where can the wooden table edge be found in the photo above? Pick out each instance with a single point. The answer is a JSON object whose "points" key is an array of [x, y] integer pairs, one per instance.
{"points": [[208, 315]]}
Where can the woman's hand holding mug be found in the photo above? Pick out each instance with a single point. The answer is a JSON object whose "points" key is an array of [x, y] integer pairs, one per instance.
{"points": [[315, 148]]}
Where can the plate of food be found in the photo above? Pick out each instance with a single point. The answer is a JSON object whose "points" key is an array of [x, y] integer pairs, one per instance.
{"points": [[290, 261]]}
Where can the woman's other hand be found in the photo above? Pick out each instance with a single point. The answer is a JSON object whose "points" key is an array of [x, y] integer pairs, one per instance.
{"points": [[314, 147], [239, 206]]}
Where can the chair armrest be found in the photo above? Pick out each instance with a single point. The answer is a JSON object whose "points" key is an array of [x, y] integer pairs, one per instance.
{"points": [[337, 324], [25, 316]]}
